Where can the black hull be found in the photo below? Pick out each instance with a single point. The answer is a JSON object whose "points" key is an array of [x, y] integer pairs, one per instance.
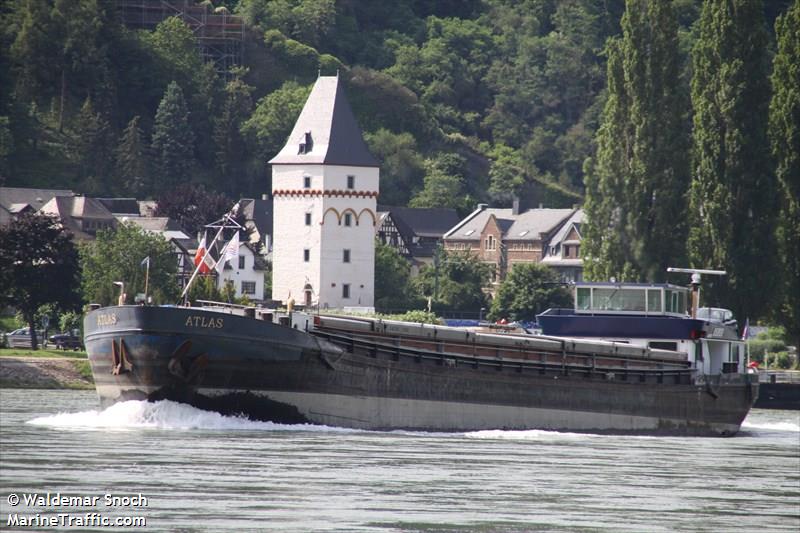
{"points": [[271, 372]]}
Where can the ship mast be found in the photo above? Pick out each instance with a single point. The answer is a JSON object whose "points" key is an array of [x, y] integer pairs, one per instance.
{"points": [[696, 275], [226, 221]]}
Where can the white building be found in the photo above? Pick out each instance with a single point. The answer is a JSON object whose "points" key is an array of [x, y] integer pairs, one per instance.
{"points": [[246, 272], [324, 187]]}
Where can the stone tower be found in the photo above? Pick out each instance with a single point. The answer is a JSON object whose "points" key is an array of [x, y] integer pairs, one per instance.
{"points": [[325, 186]]}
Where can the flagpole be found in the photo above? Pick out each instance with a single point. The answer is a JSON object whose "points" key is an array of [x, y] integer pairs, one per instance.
{"points": [[146, 279], [227, 217]]}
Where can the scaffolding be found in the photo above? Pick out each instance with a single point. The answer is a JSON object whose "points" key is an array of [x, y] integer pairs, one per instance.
{"points": [[220, 35]]}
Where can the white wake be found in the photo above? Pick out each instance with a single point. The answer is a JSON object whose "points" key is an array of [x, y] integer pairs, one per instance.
{"points": [[167, 415], [773, 426]]}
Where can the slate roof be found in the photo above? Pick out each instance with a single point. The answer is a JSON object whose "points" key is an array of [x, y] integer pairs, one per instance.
{"points": [[577, 219], [73, 208], [13, 199], [527, 225], [258, 211], [423, 222], [328, 125], [121, 206]]}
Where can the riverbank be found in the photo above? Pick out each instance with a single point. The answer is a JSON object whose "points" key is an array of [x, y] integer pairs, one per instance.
{"points": [[26, 369]]}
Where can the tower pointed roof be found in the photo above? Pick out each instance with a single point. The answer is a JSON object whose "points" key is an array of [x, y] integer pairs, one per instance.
{"points": [[326, 131]]}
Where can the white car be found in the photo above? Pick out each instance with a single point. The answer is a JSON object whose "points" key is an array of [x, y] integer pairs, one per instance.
{"points": [[21, 338]]}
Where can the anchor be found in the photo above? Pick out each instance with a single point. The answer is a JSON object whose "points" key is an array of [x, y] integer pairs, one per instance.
{"points": [[119, 356]]}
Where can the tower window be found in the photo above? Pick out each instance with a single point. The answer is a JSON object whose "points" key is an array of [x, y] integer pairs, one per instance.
{"points": [[351, 182], [308, 219], [345, 290], [348, 219], [306, 255], [346, 256], [306, 182]]}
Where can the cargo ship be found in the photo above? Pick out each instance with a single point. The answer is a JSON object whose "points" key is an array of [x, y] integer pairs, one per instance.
{"points": [[628, 358]]}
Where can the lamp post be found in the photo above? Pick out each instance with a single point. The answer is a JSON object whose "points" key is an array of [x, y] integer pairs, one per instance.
{"points": [[121, 285]]}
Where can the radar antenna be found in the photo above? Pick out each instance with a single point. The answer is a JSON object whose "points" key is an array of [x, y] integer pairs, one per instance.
{"points": [[696, 276]]}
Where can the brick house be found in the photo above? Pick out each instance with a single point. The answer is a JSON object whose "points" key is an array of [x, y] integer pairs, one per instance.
{"points": [[506, 237]]}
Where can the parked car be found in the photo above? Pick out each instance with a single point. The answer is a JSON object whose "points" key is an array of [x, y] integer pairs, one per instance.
{"points": [[67, 341], [21, 338]]}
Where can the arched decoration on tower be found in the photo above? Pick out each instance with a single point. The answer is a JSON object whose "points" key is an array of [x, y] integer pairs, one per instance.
{"points": [[335, 212], [370, 213], [352, 212]]}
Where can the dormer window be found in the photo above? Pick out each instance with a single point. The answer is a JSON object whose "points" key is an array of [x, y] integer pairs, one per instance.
{"points": [[306, 144]]}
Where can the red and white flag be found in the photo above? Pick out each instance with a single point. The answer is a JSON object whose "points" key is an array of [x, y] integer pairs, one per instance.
{"points": [[201, 256]]}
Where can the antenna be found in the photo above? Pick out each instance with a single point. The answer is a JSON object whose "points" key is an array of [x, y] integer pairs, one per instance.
{"points": [[696, 276]]}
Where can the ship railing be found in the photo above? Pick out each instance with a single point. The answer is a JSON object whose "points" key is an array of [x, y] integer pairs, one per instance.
{"points": [[779, 376], [541, 362]]}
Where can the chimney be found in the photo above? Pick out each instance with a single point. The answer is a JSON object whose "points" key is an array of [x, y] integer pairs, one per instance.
{"points": [[515, 206]]}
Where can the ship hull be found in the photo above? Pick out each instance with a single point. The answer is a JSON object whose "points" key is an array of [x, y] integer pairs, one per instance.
{"points": [[269, 372]]}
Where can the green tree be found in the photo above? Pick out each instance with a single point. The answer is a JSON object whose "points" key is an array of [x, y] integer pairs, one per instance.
{"points": [[393, 289], [117, 255], [444, 184], [642, 148], [38, 266], [454, 282], [784, 129], [92, 144], [402, 167], [229, 143], [132, 160], [173, 139], [529, 289], [733, 191], [273, 119]]}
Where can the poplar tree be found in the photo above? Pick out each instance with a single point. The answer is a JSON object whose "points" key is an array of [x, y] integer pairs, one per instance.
{"points": [[635, 199], [784, 129], [732, 196], [173, 139]]}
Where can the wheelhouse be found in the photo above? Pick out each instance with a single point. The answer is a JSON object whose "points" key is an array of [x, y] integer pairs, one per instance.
{"points": [[631, 299]]}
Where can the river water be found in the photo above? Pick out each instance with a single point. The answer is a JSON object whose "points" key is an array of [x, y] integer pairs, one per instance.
{"points": [[182, 469]]}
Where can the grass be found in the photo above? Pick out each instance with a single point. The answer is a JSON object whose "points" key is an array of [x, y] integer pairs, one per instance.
{"points": [[41, 352]]}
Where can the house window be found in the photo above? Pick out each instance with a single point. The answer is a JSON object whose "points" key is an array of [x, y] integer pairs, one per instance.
{"points": [[346, 256], [345, 290], [566, 250], [348, 219], [306, 255], [577, 250], [248, 287], [241, 262], [306, 182], [490, 243], [308, 219], [351, 182]]}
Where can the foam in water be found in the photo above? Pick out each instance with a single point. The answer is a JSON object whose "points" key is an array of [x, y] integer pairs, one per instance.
{"points": [[773, 426], [164, 414]]}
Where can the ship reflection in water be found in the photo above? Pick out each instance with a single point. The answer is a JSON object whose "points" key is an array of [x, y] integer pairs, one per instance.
{"points": [[202, 471]]}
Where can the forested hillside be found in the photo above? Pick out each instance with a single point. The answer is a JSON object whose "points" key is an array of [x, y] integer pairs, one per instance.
{"points": [[463, 101], [675, 121]]}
